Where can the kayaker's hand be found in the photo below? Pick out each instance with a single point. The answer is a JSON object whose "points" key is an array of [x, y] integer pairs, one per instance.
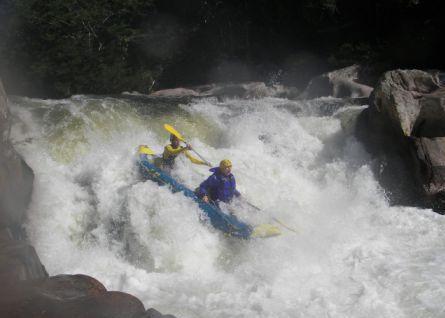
{"points": [[188, 147], [208, 164], [205, 199]]}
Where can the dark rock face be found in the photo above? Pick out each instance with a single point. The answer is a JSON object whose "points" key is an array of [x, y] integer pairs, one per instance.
{"points": [[18, 261], [400, 96], [404, 127], [340, 83], [430, 169], [16, 177]]}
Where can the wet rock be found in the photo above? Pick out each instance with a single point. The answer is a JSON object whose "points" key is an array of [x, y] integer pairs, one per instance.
{"points": [[404, 128], [111, 304], [288, 92], [340, 83], [238, 90], [70, 286], [243, 90], [16, 177], [430, 121], [153, 313], [18, 261], [430, 168], [65, 296], [398, 97]]}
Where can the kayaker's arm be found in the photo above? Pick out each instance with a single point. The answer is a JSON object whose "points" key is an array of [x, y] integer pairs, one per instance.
{"points": [[169, 151]]}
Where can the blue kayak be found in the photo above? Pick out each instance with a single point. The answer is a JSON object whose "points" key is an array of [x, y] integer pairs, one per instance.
{"points": [[227, 223]]}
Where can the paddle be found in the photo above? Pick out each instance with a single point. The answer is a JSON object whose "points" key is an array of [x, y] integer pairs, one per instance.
{"points": [[174, 132], [273, 218], [146, 150]]}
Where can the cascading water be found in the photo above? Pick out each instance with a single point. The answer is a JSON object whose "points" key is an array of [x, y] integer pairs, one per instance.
{"points": [[353, 255]]}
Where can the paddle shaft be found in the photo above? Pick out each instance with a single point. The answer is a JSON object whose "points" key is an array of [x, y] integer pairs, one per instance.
{"points": [[201, 157], [273, 218]]}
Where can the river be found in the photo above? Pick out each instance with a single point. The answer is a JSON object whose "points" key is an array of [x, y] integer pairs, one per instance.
{"points": [[353, 255]]}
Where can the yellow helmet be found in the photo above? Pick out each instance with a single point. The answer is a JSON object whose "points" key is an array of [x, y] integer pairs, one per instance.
{"points": [[225, 163]]}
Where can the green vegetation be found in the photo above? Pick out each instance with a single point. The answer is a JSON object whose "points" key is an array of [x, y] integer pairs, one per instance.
{"points": [[64, 47], [74, 46]]}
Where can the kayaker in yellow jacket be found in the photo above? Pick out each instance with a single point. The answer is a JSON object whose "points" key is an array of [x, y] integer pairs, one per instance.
{"points": [[172, 150]]}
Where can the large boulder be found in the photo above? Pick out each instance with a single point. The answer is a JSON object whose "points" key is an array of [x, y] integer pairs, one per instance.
{"points": [[67, 296], [404, 127], [400, 96], [339, 83]]}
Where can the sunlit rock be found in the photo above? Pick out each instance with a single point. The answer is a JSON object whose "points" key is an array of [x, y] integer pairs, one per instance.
{"points": [[340, 83], [404, 127]]}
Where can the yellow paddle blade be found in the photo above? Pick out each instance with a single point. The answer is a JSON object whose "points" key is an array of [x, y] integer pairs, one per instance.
{"points": [[285, 226], [173, 131], [145, 149], [265, 230]]}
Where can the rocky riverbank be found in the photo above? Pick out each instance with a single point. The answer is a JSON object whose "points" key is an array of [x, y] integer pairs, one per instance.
{"points": [[404, 129], [27, 290]]}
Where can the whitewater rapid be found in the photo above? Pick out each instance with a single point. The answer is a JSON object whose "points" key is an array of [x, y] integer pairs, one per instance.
{"points": [[353, 255]]}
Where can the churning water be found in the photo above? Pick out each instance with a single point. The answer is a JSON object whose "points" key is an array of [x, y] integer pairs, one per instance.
{"points": [[352, 256]]}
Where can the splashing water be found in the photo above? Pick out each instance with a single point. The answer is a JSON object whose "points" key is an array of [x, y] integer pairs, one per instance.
{"points": [[352, 256]]}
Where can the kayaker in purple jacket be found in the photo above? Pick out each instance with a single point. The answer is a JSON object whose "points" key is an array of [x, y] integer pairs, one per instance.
{"points": [[220, 186]]}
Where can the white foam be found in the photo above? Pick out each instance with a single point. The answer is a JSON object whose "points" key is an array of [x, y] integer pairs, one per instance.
{"points": [[353, 256]]}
